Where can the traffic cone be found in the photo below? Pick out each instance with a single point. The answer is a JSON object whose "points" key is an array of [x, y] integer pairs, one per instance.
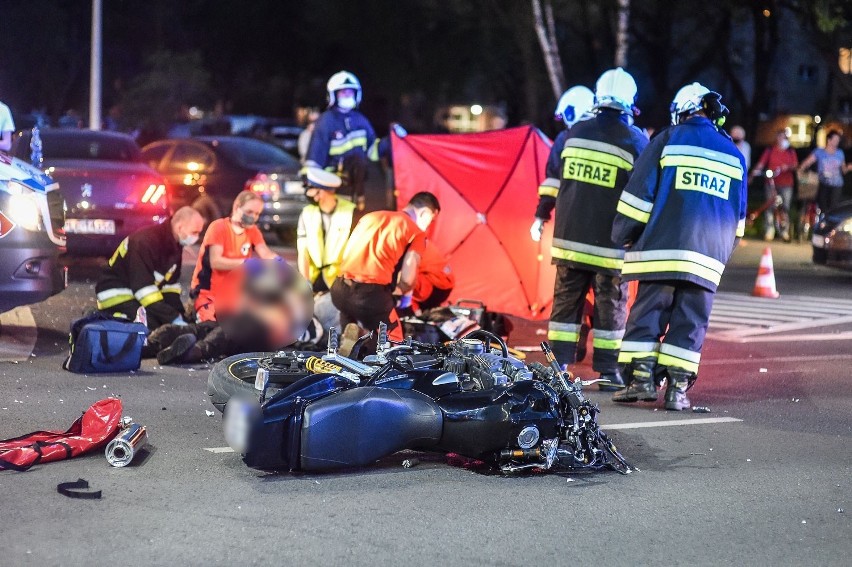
{"points": [[764, 285]]}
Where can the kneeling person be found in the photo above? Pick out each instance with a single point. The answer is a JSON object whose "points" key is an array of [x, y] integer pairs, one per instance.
{"points": [[145, 271]]}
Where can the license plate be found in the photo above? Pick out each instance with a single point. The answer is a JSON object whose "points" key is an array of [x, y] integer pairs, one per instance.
{"points": [[90, 226], [294, 187]]}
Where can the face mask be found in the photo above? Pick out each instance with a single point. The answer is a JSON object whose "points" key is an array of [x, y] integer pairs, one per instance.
{"points": [[188, 240], [247, 220], [346, 103], [785, 144]]}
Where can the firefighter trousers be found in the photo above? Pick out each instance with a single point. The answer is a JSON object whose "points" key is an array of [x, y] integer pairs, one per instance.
{"points": [[668, 323], [610, 314]]}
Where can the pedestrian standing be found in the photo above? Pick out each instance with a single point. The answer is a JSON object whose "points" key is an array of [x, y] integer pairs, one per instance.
{"points": [[738, 135], [596, 162], [680, 218], [781, 159], [831, 167]]}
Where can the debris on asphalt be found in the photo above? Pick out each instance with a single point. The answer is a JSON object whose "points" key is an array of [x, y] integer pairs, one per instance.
{"points": [[569, 480], [412, 462], [764, 370], [700, 409], [695, 454], [748, 460], [840, 510], [78, 489], [209, 413], [794, 400], [804, 521], [164, 409]]}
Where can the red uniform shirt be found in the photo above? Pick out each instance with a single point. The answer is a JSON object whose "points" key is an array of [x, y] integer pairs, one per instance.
{"points": [[378, 244], [222, 287], [433, 273]]}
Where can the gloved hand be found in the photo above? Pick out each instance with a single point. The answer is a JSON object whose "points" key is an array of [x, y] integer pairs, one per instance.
{"points": [[400, 131], [179, 321], [404, 301], [536, 229]]}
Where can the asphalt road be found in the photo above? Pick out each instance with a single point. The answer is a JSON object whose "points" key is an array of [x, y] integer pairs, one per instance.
{"points": [[772, 489]]}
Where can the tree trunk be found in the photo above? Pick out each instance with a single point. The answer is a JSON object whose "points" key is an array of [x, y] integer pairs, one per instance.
{"points": [[621, 37], [547, 39]]}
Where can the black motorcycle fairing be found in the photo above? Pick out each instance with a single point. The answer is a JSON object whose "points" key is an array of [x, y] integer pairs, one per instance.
{"points": [[482, 423], [274, 439], [359, 426], [433, 383]]}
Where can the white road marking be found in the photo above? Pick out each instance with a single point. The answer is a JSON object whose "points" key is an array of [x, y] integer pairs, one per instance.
{"points": [[18, 334], [742, 318], [671, 423], [219, 449], [774, 360]]}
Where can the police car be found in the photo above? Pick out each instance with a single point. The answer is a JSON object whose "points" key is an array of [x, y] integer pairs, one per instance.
{"points": [[31, 235]]}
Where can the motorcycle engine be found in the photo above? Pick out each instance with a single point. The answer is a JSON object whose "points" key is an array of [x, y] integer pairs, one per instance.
{"points": [[480, 369]]}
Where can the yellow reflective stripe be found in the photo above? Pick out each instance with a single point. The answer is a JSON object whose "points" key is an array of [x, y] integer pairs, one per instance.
{"points": [[683, 266], [669, 360], [632, 212], [120, 251], [610, 344], [583, 258], [147, 300], [547, 191], [741, 228], [113, 301], [175, 288], [628, 356], [347, 146], [593, 155], [564, 336], [702, 163]]}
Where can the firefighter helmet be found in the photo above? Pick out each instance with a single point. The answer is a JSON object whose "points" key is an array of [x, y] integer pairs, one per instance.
{"points": [[696, 97], [343, 80], [616, 89], [574, 105]]}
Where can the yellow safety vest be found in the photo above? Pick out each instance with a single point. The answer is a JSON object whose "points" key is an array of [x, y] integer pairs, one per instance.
{"points": [[325, 254]]}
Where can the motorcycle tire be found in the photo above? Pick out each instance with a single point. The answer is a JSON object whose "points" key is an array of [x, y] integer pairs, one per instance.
{"points": [[235, 376]]}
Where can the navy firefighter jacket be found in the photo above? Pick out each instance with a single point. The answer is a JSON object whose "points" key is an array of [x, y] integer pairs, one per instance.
{"points": [[684, 207], [597, 159], [339, 134]]}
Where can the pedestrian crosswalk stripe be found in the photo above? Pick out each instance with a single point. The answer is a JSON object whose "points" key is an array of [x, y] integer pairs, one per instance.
{"points": [[743, 318]]}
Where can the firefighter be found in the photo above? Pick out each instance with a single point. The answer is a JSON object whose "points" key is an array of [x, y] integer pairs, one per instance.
{"points": [[680, 218], [343, 139], [574, 105], [324, 227], [596, 161], [381, 260], [145, 271]]}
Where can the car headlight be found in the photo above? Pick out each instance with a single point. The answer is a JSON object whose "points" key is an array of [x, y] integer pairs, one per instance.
{"points": [[239, 416], [24, 211], [845, 225]]}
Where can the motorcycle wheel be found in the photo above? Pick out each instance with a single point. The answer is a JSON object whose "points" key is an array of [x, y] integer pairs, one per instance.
{"points": [[235, 375]]}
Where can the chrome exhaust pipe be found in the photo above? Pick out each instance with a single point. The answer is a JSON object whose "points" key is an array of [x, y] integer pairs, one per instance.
{"points": [[121, 450]]}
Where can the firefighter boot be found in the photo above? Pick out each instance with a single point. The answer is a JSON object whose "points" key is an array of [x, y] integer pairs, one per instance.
{"points": [[679, 381], [613, 381], [642, 386]]}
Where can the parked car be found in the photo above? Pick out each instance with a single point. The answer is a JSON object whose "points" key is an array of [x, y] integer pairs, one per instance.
{"points": [[109, 191], [832, 238], [31, 235], [209, 171]]}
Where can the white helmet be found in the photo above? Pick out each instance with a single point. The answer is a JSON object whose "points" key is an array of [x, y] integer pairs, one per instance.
{"points": [[688, 100], [616, 89], [574, 105], [343, 80]]}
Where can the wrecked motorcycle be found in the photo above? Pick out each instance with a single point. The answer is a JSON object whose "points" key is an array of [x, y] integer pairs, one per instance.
{"points": [[469, 397]]}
